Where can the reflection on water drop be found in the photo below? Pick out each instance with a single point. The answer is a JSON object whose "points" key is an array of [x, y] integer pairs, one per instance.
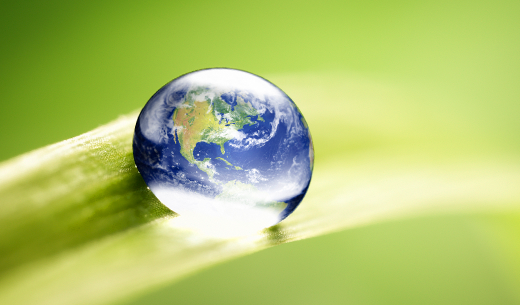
{"points": [[224, 149]]}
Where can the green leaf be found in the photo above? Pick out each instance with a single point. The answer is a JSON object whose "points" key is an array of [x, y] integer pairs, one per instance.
{"points": [[79, 226]]}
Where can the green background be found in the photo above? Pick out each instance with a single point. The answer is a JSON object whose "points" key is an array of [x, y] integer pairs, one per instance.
{"points": [[68, 67]]}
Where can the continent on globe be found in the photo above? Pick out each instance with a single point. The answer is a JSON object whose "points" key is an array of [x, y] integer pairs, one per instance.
{"points": [[200, 119], [226, 146]]}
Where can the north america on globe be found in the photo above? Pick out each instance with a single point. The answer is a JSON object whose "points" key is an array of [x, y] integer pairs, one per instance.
{"points": [[226, 146]]}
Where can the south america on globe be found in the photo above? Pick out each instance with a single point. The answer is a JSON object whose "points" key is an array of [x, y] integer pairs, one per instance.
{"points": [[224, 146]]}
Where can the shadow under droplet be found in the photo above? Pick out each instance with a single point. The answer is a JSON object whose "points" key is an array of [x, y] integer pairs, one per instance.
{"points": [[276, 235]]}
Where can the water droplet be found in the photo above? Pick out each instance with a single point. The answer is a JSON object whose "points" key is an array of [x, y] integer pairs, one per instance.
{"points": [[249, 178]]}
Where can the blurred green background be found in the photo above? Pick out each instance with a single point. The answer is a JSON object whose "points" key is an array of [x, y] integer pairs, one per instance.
{"points": [[68, 67]]}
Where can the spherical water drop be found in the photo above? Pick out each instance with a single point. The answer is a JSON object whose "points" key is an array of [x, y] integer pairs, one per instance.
{"points": [[224, 147]]}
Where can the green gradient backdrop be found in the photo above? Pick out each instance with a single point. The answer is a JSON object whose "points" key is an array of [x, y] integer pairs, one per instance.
{"points": [[68, 67]]}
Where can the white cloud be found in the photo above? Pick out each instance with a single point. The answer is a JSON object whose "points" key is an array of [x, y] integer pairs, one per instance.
{"points": [[224, 80]]}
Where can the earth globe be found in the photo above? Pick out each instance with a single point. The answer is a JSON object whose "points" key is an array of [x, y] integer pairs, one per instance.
{"points": [[224, 147]]}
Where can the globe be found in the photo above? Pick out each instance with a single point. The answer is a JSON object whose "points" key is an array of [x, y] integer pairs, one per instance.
{"points": [[224, 146]]}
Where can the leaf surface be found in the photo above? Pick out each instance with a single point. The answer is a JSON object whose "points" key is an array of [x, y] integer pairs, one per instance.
{"points": [[79, 226]]}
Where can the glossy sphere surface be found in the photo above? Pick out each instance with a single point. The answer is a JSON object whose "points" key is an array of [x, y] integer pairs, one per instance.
{"points": [[225, 146]]}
